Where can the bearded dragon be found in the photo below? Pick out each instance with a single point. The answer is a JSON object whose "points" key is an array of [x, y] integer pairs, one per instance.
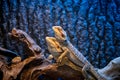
{"points": [[34, 49], [74, 55], [56, 50]]}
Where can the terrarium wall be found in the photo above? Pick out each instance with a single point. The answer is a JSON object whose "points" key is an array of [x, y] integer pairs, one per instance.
{"points": [[93, 26]]}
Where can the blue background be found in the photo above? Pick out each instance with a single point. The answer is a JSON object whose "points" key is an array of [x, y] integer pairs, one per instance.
{"points": [[93, 26]]}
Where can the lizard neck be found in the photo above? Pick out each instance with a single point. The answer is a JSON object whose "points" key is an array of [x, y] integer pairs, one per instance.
{"points": [[76, 52]]}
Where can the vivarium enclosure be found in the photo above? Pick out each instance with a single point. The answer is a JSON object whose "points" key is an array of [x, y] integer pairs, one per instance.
{"points": [[59, 39]]}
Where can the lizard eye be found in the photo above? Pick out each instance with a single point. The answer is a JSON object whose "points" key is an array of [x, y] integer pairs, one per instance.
{"points": [[62, 35], [22, 36], [16, 35], [58, 47]]}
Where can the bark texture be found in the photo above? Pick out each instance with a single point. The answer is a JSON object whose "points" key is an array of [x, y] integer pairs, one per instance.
{"points": [[93, 25]]}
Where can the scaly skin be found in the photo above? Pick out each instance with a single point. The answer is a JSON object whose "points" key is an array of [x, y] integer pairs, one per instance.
{"points": [[76, 56], [56, 50], [53, 47], [34, 49]]}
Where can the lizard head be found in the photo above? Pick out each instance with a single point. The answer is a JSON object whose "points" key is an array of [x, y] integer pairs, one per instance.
{"points": [[60, 34], [16, 33], [53, 45], [24, 37]]}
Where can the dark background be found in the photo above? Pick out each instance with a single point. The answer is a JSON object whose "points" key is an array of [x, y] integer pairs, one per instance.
{"points": [[92, 25]]}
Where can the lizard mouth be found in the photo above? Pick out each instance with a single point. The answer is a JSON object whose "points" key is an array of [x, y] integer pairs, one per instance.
{"points": [[49, 40], [52, 43]]}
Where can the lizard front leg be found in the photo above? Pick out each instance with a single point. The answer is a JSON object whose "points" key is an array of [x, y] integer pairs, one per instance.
{"points": [[62, 56], [86, 72]]}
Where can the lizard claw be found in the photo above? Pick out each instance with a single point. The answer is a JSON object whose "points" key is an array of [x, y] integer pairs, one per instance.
{"points": [[59, 60]]}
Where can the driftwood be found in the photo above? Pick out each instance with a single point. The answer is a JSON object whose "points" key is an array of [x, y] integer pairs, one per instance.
{"points": [[112, 70], [35, 66], [11, 72]]}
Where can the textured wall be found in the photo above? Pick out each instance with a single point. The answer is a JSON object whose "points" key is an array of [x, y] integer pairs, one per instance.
{"points": [[92, 25]]}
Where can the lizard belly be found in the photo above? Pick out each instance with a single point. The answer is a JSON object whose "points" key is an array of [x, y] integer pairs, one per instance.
{"points": [[72, 65], [75, 60]]}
